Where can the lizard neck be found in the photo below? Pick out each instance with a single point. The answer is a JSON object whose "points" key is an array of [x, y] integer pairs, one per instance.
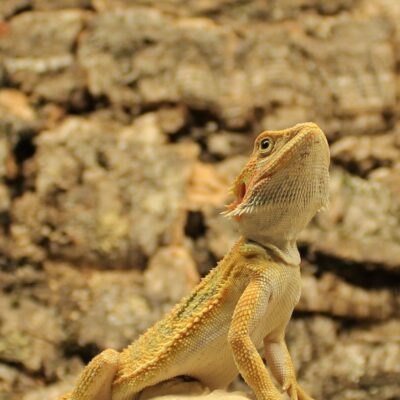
{"points": [[286, 250]]}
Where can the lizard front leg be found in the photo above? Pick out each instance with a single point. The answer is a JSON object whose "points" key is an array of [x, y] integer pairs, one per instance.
{"points": [[96, 379], [250, 306], [280, 363]]}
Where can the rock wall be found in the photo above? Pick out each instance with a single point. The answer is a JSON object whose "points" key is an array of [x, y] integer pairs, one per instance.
{"points": [[122, 124]]}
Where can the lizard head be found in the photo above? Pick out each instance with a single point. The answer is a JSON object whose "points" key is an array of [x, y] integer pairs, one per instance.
{"points": [[284, 183]]}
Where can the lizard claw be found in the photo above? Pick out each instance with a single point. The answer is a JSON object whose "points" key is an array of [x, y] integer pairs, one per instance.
{"points": [[295, 391], [291, 389]]}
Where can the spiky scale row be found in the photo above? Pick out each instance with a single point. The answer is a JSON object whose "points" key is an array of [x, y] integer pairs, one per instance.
{"points": [[145, 369]]}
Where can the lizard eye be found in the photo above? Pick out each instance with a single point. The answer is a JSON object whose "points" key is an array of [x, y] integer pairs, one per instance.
{"points": [[265, 145]]}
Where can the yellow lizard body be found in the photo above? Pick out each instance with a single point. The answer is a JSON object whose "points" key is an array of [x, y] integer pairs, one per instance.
{"points": [[247, 299]]}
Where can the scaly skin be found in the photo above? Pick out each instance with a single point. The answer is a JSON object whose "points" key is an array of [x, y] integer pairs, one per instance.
{"points": [[247, 300]]}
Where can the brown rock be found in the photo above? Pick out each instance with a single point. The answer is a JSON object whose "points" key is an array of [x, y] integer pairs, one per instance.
{"points": [[267, 68], [18, 120], [30, 333], [170, 276], [52, 391], [103, 194], [162, 59], [17, 104], [4, 199], [250, 10], [388, 177], [110, 309], [206, 187], [208, 192], [172, 119], [332, 295], [60, 4], [4, 156], [361, 223], [368, 152], [228, 144], [13, 382], [105, 309], [11, 7], [43, 62], [356, 364]]}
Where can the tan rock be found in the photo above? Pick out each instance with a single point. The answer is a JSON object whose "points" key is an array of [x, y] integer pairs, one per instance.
{"points": [[16, 103], [103, 195], [29, 334], [361, 223], [331, 295], [42, 62], [105, 309], [206, 187], [345, 363], [10, 7], [172, 119], [170, 276], [60, 4], [368, 152]]}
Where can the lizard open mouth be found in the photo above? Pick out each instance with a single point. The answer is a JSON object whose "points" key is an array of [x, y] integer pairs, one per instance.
{"points": [[240, 192]]}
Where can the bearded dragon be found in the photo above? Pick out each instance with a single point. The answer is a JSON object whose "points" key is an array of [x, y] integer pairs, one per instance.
{"points": [[247, 300]]}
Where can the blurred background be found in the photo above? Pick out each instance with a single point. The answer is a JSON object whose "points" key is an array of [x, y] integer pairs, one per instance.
{"points": [[122, 125]]}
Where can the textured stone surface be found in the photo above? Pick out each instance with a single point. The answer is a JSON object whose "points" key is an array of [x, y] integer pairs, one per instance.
{"points": [[362, 223], [312, 69], [122, 125], [43, 62], [242, 11], [171, 275], [97, 191], [332, 295], [337, 363], [31, 338]]}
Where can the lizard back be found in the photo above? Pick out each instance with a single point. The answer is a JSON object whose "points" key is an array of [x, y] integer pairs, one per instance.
{"points": [[155, 344]]}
